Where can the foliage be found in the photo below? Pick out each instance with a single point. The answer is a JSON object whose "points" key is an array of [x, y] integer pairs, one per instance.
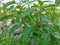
{"points": [[41, 23]]}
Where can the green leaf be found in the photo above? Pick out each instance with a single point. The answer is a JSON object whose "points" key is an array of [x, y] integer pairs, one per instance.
{"points": [[14, 27], [57, 35], [45, 39], [40, 2], [27, 12], [26, 33], [6, 17], [25, 36]]}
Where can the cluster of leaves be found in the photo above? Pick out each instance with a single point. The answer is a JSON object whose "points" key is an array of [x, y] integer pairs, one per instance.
{"points": [[41, 22]]}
